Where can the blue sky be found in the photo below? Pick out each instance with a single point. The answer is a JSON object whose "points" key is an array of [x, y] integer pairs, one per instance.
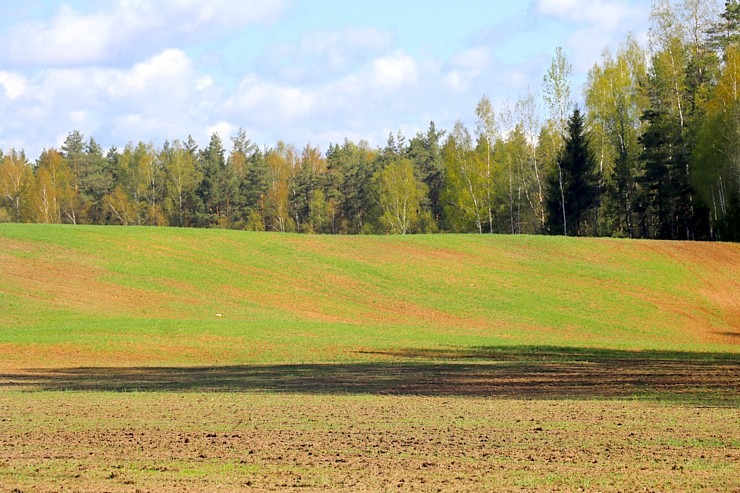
{"points": [[304, 71]]}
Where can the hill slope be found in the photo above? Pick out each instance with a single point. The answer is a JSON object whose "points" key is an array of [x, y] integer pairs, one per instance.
{"points": [[107, 296]]}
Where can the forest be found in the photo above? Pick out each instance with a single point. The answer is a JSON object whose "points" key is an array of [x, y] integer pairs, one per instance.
{"points": [[654, 152]]}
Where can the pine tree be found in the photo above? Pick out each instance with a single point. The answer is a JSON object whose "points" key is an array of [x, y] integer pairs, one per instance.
{"points": [[212, 162], [425, 152]]}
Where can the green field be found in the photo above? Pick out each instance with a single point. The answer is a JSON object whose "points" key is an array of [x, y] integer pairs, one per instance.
{"points": [[110, 335], [144, 296]]}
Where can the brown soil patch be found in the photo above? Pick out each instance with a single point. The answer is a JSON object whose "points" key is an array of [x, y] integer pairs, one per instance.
{"points": [[17, 246], [379, 251], [78, 286], [716, 265], [237, 442], [336, 298], [123, 353], [374, 307], [411, 254]]}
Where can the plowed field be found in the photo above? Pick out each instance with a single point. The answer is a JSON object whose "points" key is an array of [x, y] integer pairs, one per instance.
{"points": [[217, 441], [153, 359]]}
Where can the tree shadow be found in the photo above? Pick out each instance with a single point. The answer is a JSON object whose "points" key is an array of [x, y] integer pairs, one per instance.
{"points": [[729, 334], [557, 354], [521, 372]]}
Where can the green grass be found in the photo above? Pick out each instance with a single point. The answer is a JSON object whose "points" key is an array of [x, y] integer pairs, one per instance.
{"points": [[106, 291]]}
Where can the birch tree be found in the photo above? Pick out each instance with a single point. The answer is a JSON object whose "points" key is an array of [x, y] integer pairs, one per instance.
{"points": [[399, 196], [52, 187], [465, 180], [181, 179], [487, 131], [717, 153], [616, 101], [150, 184], [283, 163], [528, 122], [16, 177], [558, 100]]}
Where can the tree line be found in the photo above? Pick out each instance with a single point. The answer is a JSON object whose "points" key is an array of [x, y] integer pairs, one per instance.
{"points": [[655, 153]]}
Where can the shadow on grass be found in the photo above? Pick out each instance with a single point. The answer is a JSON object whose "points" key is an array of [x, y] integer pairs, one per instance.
{"points": [[525, 372], [729, 334]]}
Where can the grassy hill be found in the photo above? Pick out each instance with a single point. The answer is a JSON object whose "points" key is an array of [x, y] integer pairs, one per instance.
{"points": [[109, 296], [195, 360]]}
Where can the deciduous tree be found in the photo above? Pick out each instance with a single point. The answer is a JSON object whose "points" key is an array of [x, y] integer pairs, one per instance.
{"points": [[557, 96], [181, 181], [616, 100], [465, 178], [16, 179], [53, 191], [399, 195], [488, 132]]}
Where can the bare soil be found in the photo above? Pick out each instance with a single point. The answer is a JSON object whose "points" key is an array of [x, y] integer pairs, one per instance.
{"points": [[58, 282], [129, 442], [716, 266], [506, 420], [533, 373]]}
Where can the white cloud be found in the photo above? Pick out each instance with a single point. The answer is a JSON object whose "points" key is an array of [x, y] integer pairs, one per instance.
{"points": [[593, 25], [68, 38], [273, 103], [155, 100], [323, 55], [466, 67], [73, 38], [455, 80], [556, 7], [283, 104], [346, 41], [606, 14], [586, 47], [474, 59], [203, 82], [393, 71], [170, 65], [167, 97], [200, 14], [135, 72], [13, 84], [79, 118], [225, 130], [365, 103]]}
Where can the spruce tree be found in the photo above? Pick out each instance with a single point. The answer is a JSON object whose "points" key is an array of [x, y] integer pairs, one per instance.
{"points": [[580, 191]]}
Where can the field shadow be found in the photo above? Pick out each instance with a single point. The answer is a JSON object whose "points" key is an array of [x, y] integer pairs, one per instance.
{"points": [[729, 334], [522, 372]]}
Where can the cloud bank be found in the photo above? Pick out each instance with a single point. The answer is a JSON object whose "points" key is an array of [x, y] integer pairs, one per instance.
{"points": [[162, 70]]}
